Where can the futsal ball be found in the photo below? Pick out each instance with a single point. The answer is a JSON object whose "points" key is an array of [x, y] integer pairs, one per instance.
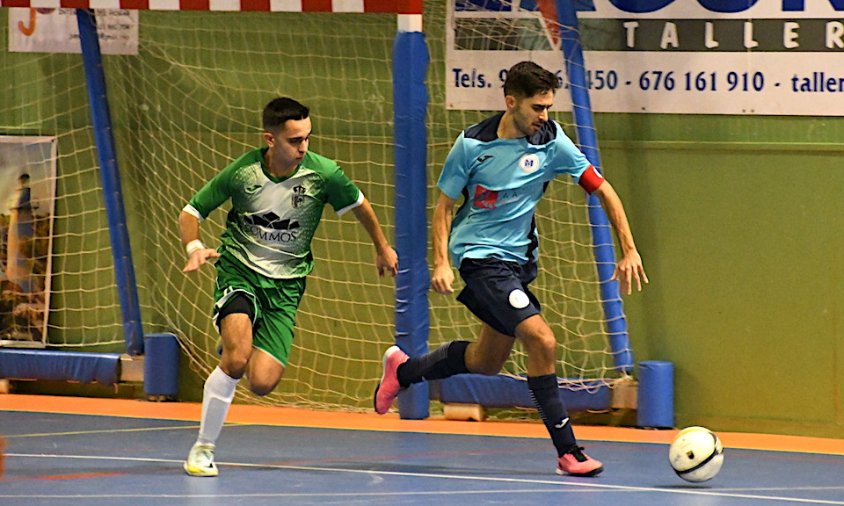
{"points": [[696, 454]]}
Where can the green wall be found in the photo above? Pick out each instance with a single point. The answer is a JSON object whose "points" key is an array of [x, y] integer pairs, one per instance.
{"points": [[740, 235]]}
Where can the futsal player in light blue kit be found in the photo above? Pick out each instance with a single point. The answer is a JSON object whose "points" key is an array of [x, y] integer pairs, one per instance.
{"points": [[501, 167]]}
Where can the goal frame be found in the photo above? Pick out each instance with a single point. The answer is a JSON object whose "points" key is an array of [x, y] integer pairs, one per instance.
{"points": [[410, 61], [410, 98]]}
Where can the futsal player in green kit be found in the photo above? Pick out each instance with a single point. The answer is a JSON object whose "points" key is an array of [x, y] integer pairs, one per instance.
{"points": [[277, 197]]}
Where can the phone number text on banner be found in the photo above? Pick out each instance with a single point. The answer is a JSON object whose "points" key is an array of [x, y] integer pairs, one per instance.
{"points": [[766, 58]]}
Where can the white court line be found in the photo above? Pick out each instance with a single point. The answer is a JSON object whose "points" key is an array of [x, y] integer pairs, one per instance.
{"points": [[301, 495], [558, 483]]}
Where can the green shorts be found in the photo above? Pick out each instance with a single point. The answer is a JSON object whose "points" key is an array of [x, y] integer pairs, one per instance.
{"points": [[275, 302]]}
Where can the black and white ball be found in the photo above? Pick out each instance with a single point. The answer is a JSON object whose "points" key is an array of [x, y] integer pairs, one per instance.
{"points": [[696, 454]]}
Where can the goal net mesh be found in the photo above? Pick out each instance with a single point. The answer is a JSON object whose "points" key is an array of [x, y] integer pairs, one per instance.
{"points": [[189, 103]]}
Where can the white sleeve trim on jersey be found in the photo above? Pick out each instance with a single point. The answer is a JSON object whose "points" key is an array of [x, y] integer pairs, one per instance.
{"points": [[348, 208], [193, 212]]}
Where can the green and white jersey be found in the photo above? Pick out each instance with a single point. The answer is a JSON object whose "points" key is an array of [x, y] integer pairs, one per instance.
{"points": [[272, 220]]}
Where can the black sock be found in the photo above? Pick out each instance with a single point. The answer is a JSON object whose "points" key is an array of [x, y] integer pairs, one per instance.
{"points": [[546, 395], [447, 360]]}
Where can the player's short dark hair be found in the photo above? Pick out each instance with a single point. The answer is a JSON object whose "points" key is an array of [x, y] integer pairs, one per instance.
{"points": [[281, 110], [526, 79]]}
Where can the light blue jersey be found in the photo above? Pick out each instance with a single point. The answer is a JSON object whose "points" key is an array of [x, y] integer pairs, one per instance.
{"points": [[502, 181]]}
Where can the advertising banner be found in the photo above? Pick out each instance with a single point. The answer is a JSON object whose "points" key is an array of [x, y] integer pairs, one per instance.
{"points": [[777, 57], [28, 182], [56, 31]]}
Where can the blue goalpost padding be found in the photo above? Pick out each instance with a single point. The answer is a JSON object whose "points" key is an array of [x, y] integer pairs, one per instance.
{"points": [[52, 365], [410, 103], [124, 269], [656, 394]]}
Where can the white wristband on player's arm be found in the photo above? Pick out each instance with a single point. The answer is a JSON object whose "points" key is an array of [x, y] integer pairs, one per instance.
{"points": [[194, 245]]}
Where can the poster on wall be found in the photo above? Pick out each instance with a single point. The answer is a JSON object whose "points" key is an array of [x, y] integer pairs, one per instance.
{"points": [[45, 30], [27, 184], [659, 56]]}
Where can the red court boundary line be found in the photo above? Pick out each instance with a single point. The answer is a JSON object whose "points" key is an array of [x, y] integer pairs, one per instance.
{"points": [[294, 417]]}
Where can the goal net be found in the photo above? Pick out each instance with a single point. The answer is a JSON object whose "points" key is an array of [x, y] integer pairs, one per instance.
{"points": [[190, 102]]}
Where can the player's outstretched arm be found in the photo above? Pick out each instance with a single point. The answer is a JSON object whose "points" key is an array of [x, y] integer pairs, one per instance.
{"points": [[630, 267], [442, 277], [386, 259], [198, 253]]}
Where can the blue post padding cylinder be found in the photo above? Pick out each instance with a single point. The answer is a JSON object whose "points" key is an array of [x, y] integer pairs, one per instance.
{"points": [[656, 395], [161, 365], [410, 101], [124, 268]]}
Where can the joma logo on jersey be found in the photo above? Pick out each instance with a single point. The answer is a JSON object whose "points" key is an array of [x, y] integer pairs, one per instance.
{"points": [[253, 189]]}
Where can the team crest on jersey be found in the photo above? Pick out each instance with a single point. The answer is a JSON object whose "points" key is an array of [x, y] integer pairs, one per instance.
{"points": [[529, 163], [298, 197]]}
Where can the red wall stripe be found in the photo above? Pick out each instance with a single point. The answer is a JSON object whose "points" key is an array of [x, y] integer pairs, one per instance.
{"points": [[140, 5], [74, 4], [316, 6], [409, 7], [255, 5], [193, 5]]}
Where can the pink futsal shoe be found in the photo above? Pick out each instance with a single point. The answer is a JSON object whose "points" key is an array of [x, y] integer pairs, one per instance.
{"points": [[388, 389], [577, 463]]}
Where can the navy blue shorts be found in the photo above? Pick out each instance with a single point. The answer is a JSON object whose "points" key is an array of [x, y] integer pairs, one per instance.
{"points": [[497, 292]]}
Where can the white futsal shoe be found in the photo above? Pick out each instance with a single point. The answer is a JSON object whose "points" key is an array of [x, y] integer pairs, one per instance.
{"points": [[200, 461]]}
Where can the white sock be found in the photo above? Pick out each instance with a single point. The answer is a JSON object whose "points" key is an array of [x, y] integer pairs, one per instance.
{"points": [[216, 399]]}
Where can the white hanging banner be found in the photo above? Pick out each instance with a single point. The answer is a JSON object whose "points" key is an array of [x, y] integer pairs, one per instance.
{"points": [[772, 57], [38, 30]]}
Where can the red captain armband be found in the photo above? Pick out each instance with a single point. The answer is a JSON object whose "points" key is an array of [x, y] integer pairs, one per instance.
{"points": [[591, 179]]}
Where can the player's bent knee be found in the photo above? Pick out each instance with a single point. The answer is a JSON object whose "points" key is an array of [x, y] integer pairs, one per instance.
{"points": [[540, 343], [263, 376], [488, 369], [261, 388], [235, 362]]}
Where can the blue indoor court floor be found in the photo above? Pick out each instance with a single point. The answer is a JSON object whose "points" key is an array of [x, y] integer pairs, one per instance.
{"points": [[76, 451]]}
